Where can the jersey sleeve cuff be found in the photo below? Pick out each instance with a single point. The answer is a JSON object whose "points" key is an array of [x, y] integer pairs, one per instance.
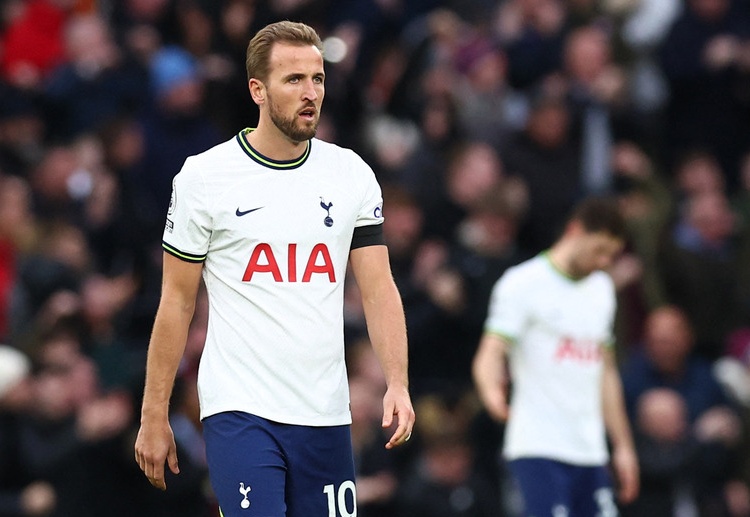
{"points": [[502, 335], [187, 257]]}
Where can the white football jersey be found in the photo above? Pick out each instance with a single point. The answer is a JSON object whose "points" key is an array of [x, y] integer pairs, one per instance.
{"points": [[275, 239], [557, 327]]}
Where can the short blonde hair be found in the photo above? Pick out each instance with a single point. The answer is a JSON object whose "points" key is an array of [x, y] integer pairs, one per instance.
{"points": [[259, 48]]}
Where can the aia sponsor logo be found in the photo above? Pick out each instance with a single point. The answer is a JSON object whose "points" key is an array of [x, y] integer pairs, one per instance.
{"points": [[581, 351], [263, 261]]}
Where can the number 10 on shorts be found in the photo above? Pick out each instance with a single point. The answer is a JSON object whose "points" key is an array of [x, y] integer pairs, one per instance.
{"points": [[338, 499]]}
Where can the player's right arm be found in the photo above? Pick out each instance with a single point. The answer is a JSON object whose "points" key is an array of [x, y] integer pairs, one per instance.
{"points": [[489, 370], [155, 443]]}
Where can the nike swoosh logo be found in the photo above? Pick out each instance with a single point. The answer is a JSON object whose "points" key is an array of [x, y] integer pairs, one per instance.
{"points": [[240, 213]]}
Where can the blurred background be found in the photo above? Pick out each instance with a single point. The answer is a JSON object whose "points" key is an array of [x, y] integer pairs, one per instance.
{"points": [[484, 121]]}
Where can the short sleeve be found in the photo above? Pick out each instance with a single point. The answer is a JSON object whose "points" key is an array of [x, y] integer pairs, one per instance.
{"points": [[507, 314], [187, 231], [371, 208]]}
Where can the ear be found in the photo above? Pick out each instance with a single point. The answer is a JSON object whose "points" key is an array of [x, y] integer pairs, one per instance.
{"points": [[575, 227], [257, 91]]}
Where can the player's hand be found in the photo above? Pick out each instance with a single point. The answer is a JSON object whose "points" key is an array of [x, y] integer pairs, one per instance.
{"points": [[490, 379], [154, 446], [495, 400], [397, 406], [625, 464]]}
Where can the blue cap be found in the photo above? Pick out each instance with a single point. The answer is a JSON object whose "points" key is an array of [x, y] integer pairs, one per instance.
{"points": [[171, 66]]}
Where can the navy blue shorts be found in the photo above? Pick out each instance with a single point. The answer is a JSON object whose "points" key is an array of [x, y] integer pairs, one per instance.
{"points": [[260, 468], [555, 489]]}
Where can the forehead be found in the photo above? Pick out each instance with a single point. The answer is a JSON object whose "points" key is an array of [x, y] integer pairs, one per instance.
{"points": [[289, 58], [603, 241]]}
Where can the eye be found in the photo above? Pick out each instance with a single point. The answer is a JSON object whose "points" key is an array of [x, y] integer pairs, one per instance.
{"points": [[318, 79], [294, 80]]}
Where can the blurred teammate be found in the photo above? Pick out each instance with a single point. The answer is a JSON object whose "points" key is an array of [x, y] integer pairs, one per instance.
{"points": [[270, 220], [552, 316]]}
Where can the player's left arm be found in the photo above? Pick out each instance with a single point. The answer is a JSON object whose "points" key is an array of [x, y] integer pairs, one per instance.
{"points": [[386, 326], [624, 458]]}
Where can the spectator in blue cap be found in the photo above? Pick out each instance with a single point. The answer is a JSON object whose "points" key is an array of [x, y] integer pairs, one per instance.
{"points": [[175, 127], [173, 68]]}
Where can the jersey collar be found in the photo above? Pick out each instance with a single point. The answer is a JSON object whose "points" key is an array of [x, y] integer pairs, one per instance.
{"points": [[266, 161], [545, 254]]}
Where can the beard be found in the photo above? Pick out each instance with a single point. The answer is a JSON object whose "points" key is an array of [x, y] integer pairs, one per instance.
{"points": [[290, 127]]}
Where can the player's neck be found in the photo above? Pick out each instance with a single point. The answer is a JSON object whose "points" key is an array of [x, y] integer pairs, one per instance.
{"points": [[273, 144], [559, 256]]}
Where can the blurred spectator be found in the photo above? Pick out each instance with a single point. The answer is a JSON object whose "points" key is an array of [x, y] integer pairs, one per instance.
{"points": [[702, 56], [431, 292], [48, 276], [597, 91], [733, 371], [32, 40], [70, 427], [733, 368], [96, 82], [443, 481], [678, 463], [20, 493], [698, 172], [532, 31], [474, 169], [668, 361], [740, 200], [646, 204], [391, 142], [643, 26], [60, 184], [699, 263], [123, 146], [22, 130], [485, 246], [490, 110], [546, 157], [425, 67], [18, 236], [424, 171], [144, 25], [664, 453], [102, 301], [226, 90], [175, 128]]}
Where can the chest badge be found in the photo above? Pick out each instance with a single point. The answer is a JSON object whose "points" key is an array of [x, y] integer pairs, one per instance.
{"points": [[328, 221]]}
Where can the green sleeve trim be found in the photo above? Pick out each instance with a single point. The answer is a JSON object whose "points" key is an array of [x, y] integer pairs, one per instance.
{"points": [[187, 257], [505, 337]]}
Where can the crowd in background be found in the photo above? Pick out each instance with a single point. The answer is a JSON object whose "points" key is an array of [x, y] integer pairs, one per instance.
{"points": [[484, 121]]}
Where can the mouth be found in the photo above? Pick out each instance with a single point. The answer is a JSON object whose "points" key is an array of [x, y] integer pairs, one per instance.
{"points": [[308, 114]]}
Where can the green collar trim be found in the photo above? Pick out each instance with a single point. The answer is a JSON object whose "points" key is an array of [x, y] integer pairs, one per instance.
{"points": [[562, 273], [265, 160]]}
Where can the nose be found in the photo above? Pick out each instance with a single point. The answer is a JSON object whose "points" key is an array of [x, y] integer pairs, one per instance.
{"points": [[310, 92]]}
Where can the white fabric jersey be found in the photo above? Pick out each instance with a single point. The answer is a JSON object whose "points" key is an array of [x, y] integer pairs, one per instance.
{"points": [[557, 327], [275, 238]]}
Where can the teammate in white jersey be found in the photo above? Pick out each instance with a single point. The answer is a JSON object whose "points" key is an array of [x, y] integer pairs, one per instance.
{"points": [[270, 220], [552, 317]]}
